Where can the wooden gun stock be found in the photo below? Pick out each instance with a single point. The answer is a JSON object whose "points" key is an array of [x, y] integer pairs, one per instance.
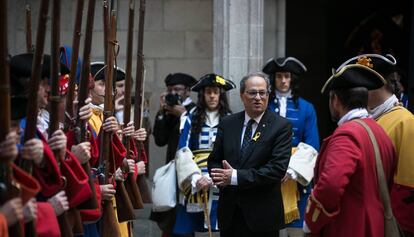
{"points": [[109, 224], [124, 206], [134, 194]]}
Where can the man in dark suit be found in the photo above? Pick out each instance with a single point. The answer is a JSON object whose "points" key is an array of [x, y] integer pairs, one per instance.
{"points": [[249, 159]]}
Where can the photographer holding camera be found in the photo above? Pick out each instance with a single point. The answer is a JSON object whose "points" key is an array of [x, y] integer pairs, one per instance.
{"points": [[173, 103]]}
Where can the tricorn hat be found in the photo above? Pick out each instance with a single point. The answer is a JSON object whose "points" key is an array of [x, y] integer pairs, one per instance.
{"points": [[354, 75], [98, 72], [213, 80], [18, 106], [384, 65], [289, 64], [180, 78], [21, 66]]}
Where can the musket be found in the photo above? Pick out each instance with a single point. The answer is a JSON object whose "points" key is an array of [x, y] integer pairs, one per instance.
{"points": [[32, 107], [110, 226], [105, 27], [69, 120], [81, 132], [124, 209], [74, 62], [130, 183], [54, 99], [142, 183], [7, 190], [29, 44]]}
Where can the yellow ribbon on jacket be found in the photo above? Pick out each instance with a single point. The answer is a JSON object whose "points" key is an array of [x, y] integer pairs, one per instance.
{"points": [[290, 197]]}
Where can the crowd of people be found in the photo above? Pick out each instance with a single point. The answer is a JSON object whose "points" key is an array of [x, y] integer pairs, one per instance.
{"points": [[262, 171], [258, 172], [57, 184]]}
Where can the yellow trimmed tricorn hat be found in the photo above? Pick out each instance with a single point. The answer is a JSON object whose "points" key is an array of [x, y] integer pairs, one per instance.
{"points": [[384, 65], [213, 80], [354, 75]]}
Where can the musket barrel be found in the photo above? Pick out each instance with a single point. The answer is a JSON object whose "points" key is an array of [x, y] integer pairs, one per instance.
{"points": [[29, 44], [83, 94], [74, 61], [37, 65], [139, 94], [109, 227]]}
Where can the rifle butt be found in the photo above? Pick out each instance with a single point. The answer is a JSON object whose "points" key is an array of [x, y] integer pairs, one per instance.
{"points": [[109, 225], [30, 229], [144, 189], [91, 203], [16, 230], [75, 221], [133, 192], [64, 225], [123, 203]]}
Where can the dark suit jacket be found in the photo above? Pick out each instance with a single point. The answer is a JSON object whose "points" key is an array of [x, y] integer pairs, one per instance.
{"points": [[259, 171]]}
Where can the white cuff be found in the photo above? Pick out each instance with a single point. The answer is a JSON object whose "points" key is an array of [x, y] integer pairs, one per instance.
{"points": [[234, 178], [293, 175], [306, 228], [194, 179]]}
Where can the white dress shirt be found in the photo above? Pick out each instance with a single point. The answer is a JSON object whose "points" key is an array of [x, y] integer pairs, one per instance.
{"points": [[254, 127]]}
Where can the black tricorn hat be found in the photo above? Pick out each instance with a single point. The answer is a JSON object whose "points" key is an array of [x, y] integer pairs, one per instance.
{"points": [[21, 66], [18, 107], [98, 72], [180, 78], [21, 72], [213, 80], [384, 65], [289, 64], [354, 75]]}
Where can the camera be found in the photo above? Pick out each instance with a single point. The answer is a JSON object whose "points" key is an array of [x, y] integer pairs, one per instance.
{"points": [[172, 99]]}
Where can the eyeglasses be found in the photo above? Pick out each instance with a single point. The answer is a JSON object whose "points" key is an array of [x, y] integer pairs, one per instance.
{"points": [[252, 94]]}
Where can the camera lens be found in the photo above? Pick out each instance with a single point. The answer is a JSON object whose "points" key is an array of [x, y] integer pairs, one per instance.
{"points": [[172, 99]]}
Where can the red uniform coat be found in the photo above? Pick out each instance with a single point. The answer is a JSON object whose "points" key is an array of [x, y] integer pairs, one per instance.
{"points": [[46, 224], [49, 175], [91, 215], [345, 200], [4, 230]]}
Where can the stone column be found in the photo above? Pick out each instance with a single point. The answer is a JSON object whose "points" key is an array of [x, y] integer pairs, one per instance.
{"points": [[238, 41], [281, 28]]}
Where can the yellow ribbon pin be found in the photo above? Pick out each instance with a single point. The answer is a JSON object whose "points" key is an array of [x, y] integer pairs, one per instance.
{"points": [[256, 136], [220, 80]]}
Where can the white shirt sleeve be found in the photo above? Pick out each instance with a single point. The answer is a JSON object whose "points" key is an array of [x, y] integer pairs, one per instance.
{"points": [[234, 178], [306, 228], [194, 179], [293, 175]]}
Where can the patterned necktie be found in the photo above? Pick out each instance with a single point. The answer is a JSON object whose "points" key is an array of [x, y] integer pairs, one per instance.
{"points": [[247, 138]]}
